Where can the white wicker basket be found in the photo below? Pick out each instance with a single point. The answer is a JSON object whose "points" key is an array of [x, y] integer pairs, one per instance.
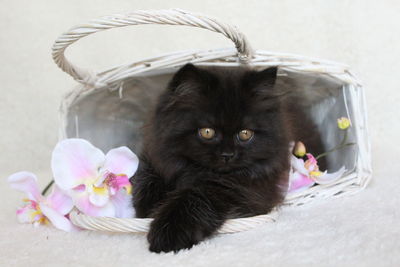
{"points": [[108, 107]]}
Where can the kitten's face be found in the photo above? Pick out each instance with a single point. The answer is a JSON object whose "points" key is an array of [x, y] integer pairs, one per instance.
{"points": [[222, 120]]}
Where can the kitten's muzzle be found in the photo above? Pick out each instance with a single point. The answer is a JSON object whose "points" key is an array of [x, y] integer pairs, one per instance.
{"points": [[227, 156]]}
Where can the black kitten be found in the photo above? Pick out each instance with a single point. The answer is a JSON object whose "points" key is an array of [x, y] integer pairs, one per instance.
{"points": [[217, 148]]}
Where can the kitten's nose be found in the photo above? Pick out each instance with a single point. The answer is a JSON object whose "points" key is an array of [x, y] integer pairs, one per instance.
{"points": [[227, 156]]}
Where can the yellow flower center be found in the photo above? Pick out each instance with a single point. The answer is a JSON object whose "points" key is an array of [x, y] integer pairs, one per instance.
{"points": [[100, 190], [35, 213], [315, 173]]}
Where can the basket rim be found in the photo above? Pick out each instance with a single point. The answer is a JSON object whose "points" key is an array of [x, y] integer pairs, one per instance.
{"points": [[219, 57]]}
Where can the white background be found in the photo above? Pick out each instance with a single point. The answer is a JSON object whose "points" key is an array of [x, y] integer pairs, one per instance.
{"points": [[363, 229]]}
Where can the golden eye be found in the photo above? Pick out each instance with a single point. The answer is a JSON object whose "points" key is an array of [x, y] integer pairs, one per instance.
{"points": [[245, 135], [207, 133]]}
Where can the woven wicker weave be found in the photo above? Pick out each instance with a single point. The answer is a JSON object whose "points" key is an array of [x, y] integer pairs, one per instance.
{"points": [[128, 90]]}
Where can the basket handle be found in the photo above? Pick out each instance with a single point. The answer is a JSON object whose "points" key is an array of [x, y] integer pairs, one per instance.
{"points": [[163, 17]]}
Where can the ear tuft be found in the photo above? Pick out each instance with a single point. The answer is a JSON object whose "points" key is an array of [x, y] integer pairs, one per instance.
{"points": [[266, 77], [186, 73]]}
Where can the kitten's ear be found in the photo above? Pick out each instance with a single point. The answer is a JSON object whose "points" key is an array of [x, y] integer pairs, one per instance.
{"points": [[184, 86], [262, 85], [187, 74], [265, 78]]}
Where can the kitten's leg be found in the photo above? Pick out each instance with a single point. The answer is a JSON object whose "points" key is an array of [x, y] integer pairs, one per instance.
{"points": [[187, 217], [148, 189]]}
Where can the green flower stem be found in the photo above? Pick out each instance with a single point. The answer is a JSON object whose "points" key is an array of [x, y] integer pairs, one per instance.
{"points": [[333, 149], [344, 138], [47, 187], [342, 144]]}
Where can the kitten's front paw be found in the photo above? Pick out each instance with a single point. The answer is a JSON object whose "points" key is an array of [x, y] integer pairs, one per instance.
{"points": [[187, 218], [170, 234]]}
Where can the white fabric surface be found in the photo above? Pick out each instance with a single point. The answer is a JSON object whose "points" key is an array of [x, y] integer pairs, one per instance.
{"points": [[361, 230]]}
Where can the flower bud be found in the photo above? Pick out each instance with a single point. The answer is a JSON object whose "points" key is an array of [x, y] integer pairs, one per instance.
{"points": [[343, 123], [299, 149]]}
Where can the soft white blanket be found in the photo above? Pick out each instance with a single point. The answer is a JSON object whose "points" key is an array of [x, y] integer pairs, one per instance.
{"points": [[360, 230]]}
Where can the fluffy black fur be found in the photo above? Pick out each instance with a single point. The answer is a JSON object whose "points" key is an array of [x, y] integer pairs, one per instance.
{"points": [[184, 182]]}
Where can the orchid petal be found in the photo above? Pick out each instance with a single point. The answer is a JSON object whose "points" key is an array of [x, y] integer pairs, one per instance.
{"points": [[123, 205], [82, 202], [24, 214], [121, 161], [311, 163], [59, 201], [327, 178], [74, 161], [121, 181], [299, 181], [57, 219], [298, 165], [311, 159], [99, 199], [26, 182], [116, 182]]}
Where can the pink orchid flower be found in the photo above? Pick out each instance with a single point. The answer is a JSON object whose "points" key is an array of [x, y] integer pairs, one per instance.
{"points": [[305, 174], [98, 184], [39, 209]]}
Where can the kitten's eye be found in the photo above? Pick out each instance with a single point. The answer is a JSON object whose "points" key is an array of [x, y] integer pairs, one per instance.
{"points": [[207, 133], [245, 135]]}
